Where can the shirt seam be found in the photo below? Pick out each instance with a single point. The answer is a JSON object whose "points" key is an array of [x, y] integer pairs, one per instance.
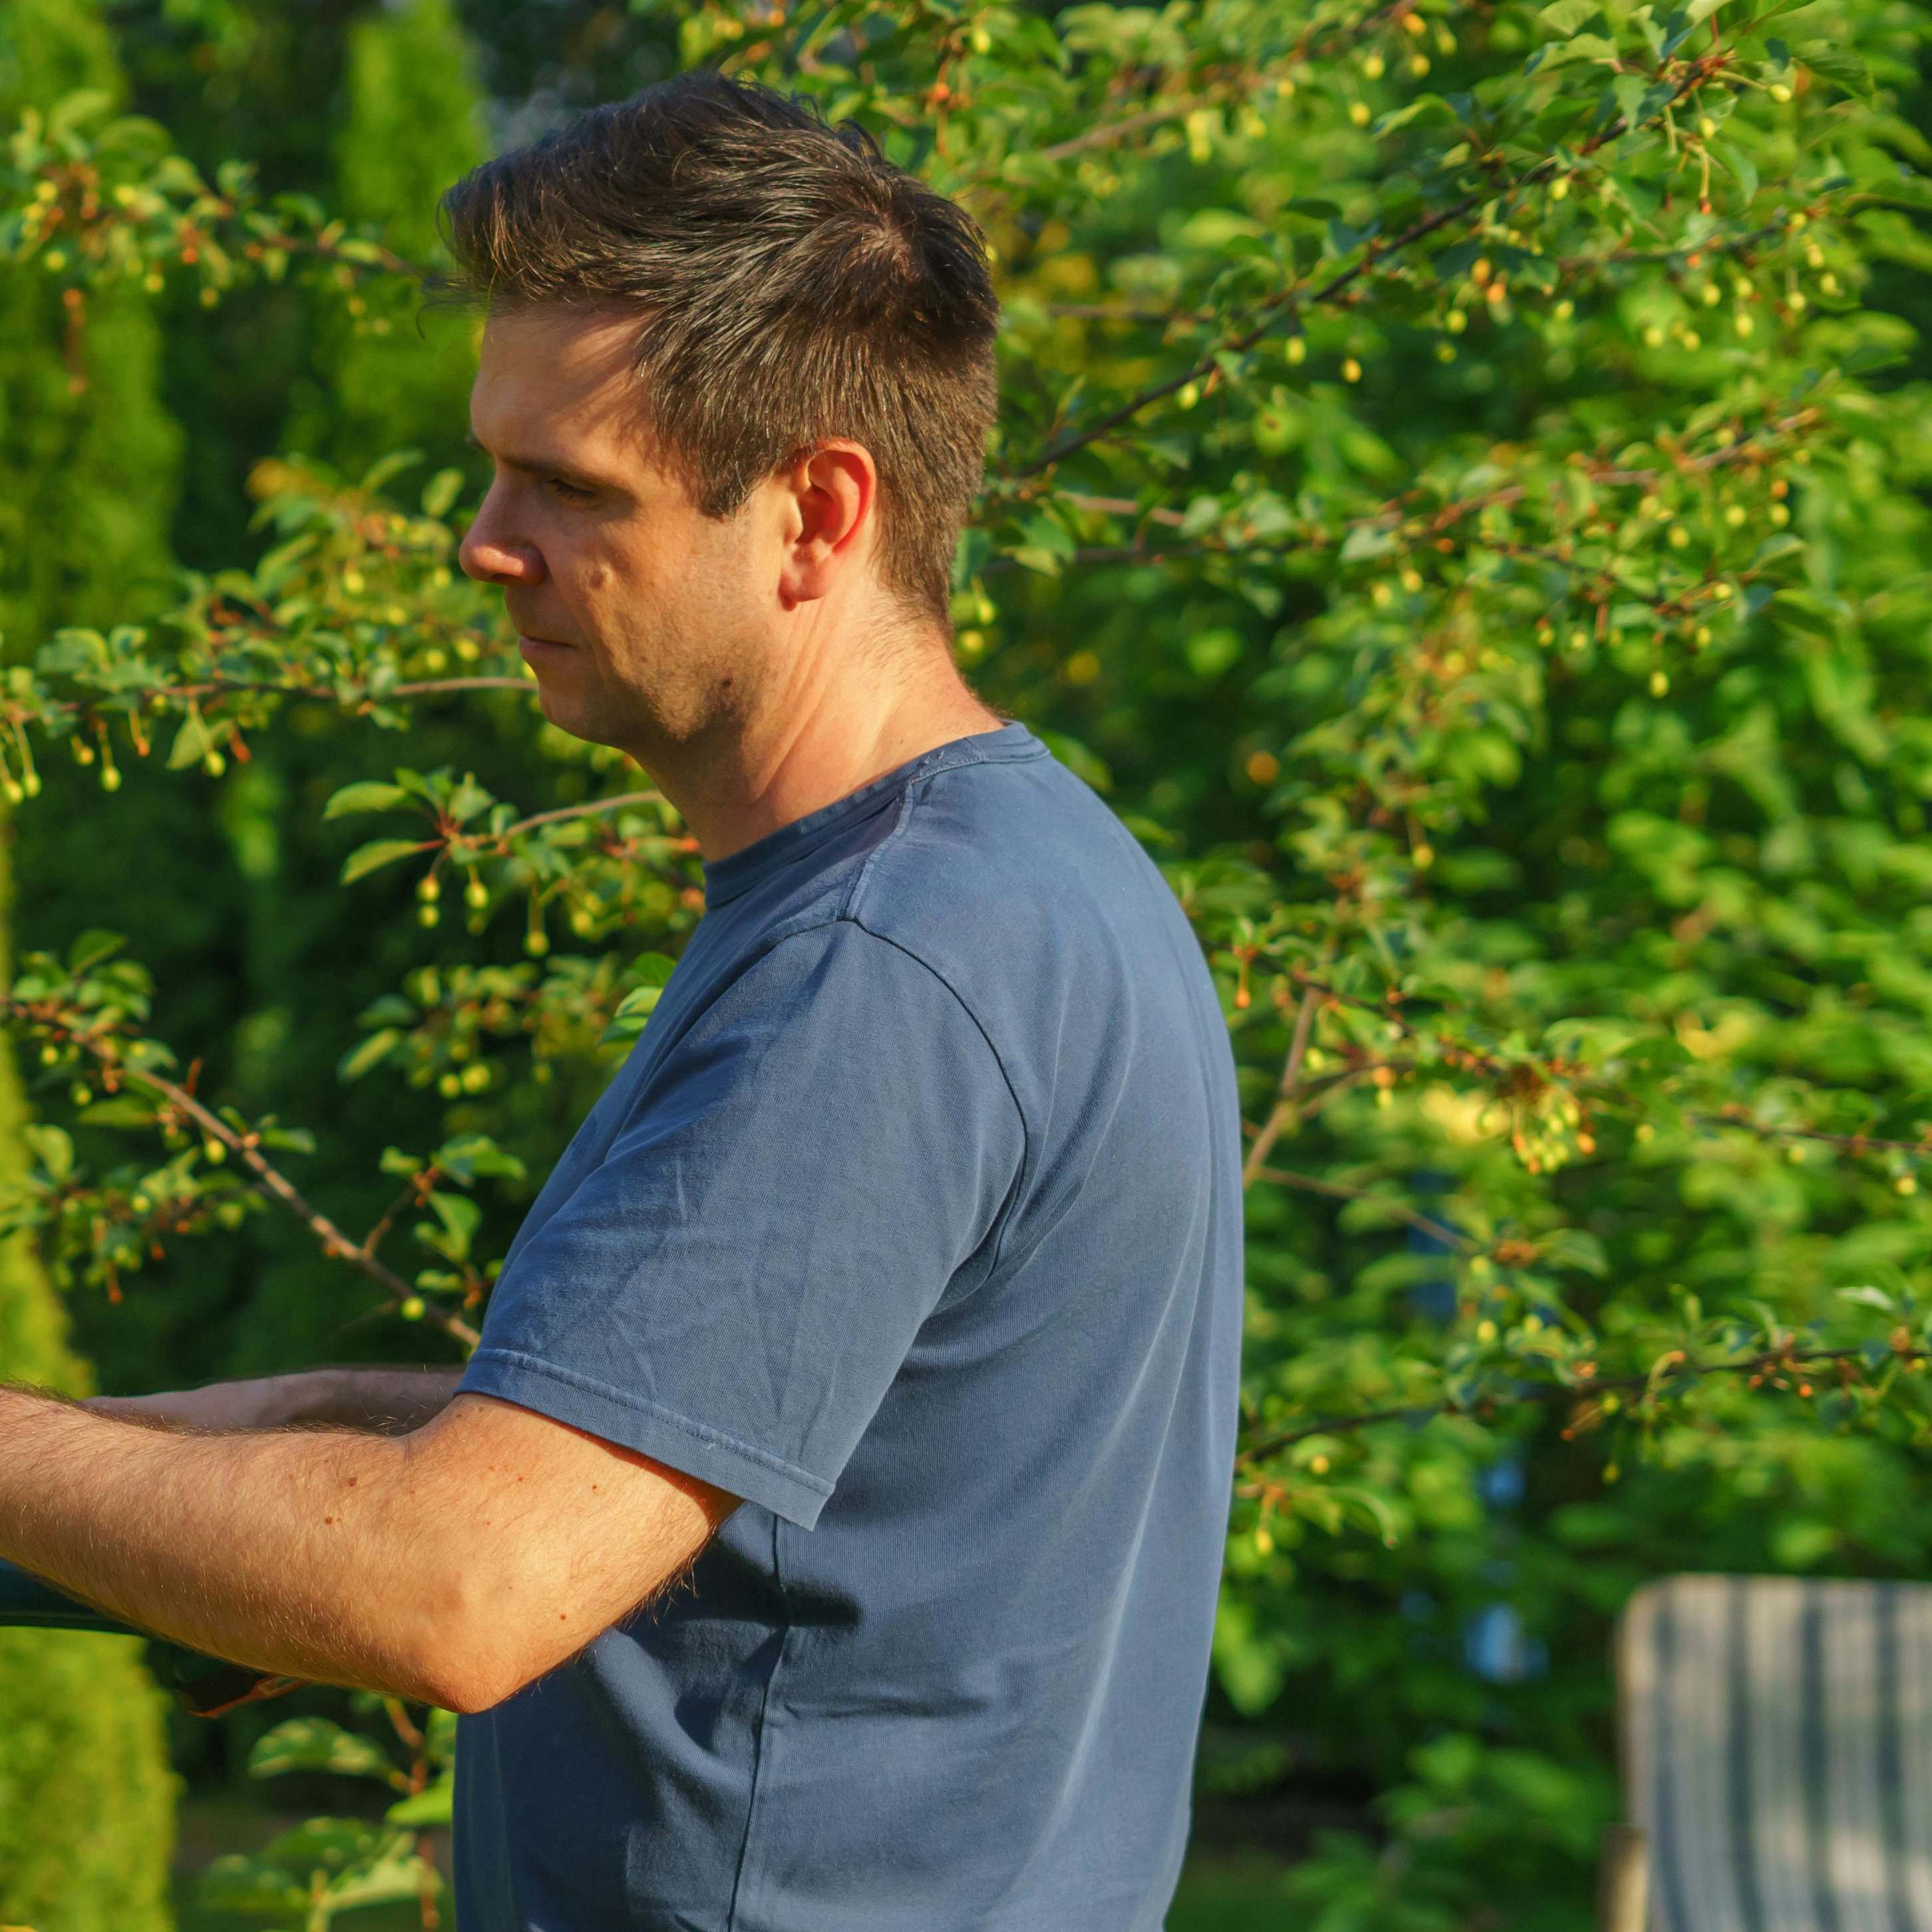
{"points": [[702, 1432], [914, 792], [808, 921], [917, 786], [908, 802], [1003, 1219], [759, 1731]]}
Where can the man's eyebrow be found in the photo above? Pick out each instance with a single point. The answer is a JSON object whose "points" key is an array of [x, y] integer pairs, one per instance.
{"points": [[536, 464]]}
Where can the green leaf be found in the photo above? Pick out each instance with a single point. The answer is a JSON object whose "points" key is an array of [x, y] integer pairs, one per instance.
{"points": [[398, 1873], [378, 852], [1809, 612], [90, 947], [440, 492], [360, 1058], [460, 1217], [1565, 16], [1425, 107], [53, 1147], [632, 1012], [1369, 540], [193, 742], [242, 1883], [1739, 166], [1579, 47], [1869, 1297], [466, 801], [1869, 356], [393, 464], [365, 795], [123, 1111], [432, 1805], [1782, 544], [1575, 1248], [1839, 63], [469, 1157], [314, 1744]]}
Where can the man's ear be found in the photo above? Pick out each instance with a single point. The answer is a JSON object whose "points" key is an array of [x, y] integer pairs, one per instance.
{"points": [[833, 505]]}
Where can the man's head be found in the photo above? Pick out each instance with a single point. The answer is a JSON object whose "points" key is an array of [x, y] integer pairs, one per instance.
{"points": [[736, 377]]}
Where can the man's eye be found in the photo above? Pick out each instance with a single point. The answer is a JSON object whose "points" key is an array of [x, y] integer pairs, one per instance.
{"points": [[571, 493]]}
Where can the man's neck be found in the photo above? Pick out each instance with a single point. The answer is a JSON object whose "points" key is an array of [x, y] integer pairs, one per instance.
{"points": [[736, 785]]}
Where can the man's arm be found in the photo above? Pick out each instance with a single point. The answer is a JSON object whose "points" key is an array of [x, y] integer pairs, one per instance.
{"points": [[454, 1564], [393, 1401]]}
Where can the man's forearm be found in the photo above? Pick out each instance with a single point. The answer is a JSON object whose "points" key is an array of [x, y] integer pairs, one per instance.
{"points": [[308, 1553]]}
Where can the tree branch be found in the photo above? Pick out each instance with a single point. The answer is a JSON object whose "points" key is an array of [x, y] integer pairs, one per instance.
{"points": [[267, 1179], [1764, 1365]]}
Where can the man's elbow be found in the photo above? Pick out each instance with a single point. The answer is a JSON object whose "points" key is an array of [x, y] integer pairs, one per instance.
{"points": [[457, 1684], [461, 1655], [460, 1673], [471, 1659]]}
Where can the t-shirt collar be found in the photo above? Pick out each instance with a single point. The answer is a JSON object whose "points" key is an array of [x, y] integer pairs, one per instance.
{"points": [[727, 878]]}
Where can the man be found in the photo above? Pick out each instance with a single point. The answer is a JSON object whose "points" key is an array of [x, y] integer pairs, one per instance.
{"points": [[890, 1297]]}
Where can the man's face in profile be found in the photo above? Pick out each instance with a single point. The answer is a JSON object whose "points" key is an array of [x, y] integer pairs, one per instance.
{"points": [[642, 619]]}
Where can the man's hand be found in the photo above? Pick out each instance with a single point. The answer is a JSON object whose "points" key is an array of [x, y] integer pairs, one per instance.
{"points": [[242, 1404], [455, 1563], [390, 1400]]}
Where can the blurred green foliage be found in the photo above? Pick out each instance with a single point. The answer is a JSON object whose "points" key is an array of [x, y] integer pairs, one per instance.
{"points": [[1461, 494], [86, 1798]]}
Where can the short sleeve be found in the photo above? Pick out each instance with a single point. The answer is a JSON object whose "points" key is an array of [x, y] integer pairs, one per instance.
{"points": [[732, 1290]]}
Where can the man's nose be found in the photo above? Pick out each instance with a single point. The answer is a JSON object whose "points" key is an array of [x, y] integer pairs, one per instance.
{"points": [[493, 553]]}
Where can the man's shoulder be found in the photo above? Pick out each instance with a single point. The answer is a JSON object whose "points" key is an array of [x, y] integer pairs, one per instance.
{"points": [[1018, 833], [1015, 883], [1002, 892]]}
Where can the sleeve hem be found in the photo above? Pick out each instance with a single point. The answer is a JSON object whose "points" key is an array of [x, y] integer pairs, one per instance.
{"points": [[694, 1448]]}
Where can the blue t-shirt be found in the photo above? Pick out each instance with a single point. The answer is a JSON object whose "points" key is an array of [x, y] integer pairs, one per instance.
{"points": [[913, 1218]]}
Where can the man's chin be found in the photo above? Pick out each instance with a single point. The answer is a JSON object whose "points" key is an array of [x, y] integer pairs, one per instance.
{"points": [[570, 712]]}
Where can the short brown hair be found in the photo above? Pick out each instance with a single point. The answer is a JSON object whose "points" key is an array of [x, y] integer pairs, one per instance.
{"points": [[791, 284]]}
